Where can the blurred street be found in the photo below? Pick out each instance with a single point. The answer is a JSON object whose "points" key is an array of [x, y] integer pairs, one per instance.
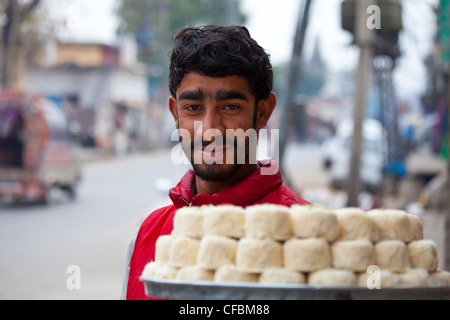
{"points": [[38, 243]]}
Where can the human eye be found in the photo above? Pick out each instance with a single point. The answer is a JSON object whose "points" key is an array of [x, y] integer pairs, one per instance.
{"points": [[232, 107], [192, 107]]}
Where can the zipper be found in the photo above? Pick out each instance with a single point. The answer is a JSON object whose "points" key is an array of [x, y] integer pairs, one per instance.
{"points": [[189, 204]]}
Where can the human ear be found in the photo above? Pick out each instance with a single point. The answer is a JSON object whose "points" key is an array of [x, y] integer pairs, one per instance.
{"points": [[173, 109], [265, 108]]}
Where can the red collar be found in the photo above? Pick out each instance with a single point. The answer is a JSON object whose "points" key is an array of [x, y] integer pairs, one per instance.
{"points": [[257, 184]]}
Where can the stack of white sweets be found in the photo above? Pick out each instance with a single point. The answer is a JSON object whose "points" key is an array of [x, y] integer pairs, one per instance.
{"points": [[303, 244]]}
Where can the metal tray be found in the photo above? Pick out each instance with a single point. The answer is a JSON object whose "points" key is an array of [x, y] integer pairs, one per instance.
{"points": [[171, 289]]}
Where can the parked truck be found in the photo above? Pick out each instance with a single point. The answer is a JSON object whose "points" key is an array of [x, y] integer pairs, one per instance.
{"points": [[36, 155]]}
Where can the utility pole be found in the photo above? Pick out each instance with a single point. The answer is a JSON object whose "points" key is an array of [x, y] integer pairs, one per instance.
{"points": [[443, 44], [364, 39], [447, 185], [232, 12], [288, 111]]}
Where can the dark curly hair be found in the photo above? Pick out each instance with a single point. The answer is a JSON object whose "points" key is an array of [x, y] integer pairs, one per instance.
{"points": [[220, 51]]}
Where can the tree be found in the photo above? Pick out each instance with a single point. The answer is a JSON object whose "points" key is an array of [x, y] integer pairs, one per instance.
{"points": [[15, 13], [170, 15], [152, 22]]}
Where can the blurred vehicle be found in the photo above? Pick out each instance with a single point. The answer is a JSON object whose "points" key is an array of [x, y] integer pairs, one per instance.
{"points": [[434, 195], [337, 151], [36, 156]]}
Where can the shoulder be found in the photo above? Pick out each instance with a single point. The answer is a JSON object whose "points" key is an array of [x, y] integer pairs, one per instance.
{"points": [[284, 196], [158, 218], [157, 223]]}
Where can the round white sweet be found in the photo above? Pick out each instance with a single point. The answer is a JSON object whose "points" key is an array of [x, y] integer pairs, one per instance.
{"points": [[423, 254], [216, 251], [195, 273], [332, 278], [281, 276], [414, 278], [439, 278], [392, 224], [166, 272], [230, 273], [188, 221], [378, 280], [150, 268], [254, 255], [306, 255], [310, 221], [268, 221], [353, 255], [354, 223], [162, 248], [183, 251], [224, 220], [416, 228], [391, 255]]}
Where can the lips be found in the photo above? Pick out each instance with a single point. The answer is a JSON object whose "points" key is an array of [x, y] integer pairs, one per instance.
{"points": [[212, 152]]}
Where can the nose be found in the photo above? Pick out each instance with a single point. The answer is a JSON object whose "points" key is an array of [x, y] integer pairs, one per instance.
{"points": [[211, 126]]}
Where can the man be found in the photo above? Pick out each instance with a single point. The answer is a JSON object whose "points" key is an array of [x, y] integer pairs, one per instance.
{"points": [[221, 92]]}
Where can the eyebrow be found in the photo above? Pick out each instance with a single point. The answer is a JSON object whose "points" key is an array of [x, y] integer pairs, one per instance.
{"points": [[196, 94], [230, 94], [219, 95]]}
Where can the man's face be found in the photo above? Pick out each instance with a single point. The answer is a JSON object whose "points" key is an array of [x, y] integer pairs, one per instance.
{"points": [[209, 109]]}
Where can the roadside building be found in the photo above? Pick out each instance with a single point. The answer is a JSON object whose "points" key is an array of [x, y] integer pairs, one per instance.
{"points": [[104, 91]]}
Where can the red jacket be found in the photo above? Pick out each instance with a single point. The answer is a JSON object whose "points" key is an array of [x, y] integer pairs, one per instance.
{"points": [[255, 189]]}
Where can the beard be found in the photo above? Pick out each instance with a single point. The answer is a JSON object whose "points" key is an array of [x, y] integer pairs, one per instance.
{"points": [[216, 170]]}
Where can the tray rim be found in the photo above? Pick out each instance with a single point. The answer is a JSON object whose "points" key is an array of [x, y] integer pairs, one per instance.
{"points": [[193, 290]]}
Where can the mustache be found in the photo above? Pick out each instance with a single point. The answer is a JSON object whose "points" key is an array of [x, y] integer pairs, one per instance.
{"points": [[235, 141], [200, 143]]}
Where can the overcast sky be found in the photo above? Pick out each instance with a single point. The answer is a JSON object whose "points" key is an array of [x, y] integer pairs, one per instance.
{"points": [[272, 24]]}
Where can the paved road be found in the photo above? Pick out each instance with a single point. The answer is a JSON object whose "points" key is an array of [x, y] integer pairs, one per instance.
{"points": [[39, 243]]}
